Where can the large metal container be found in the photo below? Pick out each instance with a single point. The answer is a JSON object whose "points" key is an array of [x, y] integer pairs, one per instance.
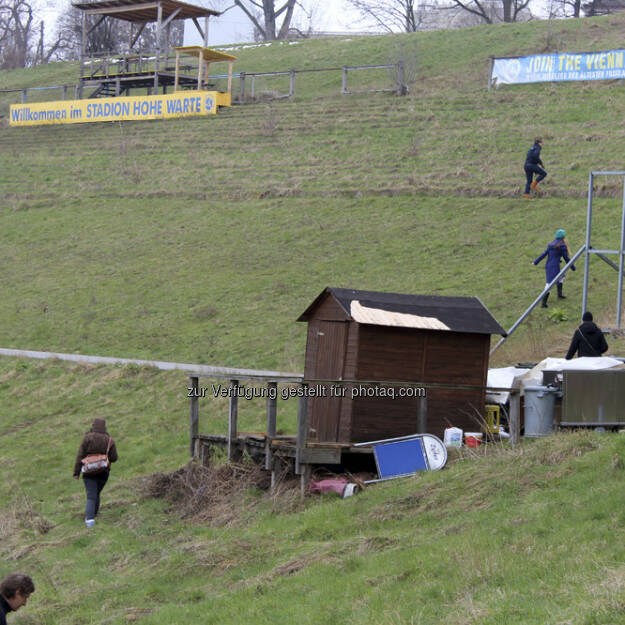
{"points": [[593, 398]]}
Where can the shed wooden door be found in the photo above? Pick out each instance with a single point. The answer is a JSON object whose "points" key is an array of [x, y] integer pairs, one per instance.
{"points": [[325, 360]]}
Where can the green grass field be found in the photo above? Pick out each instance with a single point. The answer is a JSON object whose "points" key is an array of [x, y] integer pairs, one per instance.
{"points": [[203, 240]]}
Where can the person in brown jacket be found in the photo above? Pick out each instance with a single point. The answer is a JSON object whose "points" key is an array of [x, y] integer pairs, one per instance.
{"points": [[96, 441]]}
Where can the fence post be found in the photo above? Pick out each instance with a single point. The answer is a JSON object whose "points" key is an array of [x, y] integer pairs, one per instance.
{"points": [[272, 409], [402, 89], [194, 416], [233, 413], [491, 63], [302, 424], [515, 417], [65, 92], [344, 85], [422, 414], [241, 87], [292, 83], [24, 96]]}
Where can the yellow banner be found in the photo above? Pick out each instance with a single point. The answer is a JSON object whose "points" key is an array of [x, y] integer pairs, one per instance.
{"points": [[179, 104]]}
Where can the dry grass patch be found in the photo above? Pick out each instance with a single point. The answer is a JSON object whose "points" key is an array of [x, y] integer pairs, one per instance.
{"points": [[223, 495]]}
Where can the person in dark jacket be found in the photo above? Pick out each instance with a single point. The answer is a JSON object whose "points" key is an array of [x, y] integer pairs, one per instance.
{"points": [[96, 441], [15, 589], [556, 250], [533, 165], [588, 339]]}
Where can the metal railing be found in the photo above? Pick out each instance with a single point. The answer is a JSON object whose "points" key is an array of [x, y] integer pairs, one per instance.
{"points": [[110, 66]]}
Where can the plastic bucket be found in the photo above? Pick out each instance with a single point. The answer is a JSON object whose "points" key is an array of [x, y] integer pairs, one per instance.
{"points": [[539, 410], [472, 439]]}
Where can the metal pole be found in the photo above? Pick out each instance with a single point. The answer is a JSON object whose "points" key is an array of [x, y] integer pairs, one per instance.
{"points": [[546, 290], [588, 223], [619, 301]]}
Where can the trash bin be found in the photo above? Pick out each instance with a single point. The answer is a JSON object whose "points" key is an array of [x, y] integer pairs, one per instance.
{"points": [[539, 410]]}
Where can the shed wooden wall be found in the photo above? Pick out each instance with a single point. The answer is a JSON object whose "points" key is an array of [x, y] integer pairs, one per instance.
{"points": [[403, 354], [339, 349]]}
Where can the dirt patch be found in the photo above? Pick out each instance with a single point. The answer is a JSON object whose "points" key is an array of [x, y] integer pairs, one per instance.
{"points": [[221, 495]]}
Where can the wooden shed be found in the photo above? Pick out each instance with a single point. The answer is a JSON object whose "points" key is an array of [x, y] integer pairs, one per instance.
{"points": [[393, 337]]}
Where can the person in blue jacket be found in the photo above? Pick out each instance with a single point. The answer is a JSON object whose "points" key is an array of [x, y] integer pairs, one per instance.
{"points": [[533, 165], [556, 250]]}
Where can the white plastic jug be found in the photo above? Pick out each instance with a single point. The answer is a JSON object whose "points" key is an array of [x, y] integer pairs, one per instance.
{"points": [[452, 437]]}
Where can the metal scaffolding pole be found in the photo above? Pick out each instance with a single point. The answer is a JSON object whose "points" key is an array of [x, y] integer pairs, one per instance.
{"points": [[587, 245], [619, 299], [547, 288]]}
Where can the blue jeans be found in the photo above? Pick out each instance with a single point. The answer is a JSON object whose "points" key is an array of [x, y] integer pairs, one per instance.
{"points": [[530, 170], [94, 485]]}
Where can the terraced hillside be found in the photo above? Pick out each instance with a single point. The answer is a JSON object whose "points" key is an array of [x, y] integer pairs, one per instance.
{"points": [[197, 240]]}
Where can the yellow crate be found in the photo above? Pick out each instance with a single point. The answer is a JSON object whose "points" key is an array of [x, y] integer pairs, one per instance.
{"points": [[492, 418]]}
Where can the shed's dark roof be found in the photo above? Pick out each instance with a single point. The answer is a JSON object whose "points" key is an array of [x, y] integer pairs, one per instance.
{"points": [[459, 314], [137, 11]]}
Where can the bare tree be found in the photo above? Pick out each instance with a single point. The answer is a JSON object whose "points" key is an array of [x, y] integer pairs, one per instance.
{"points": [[390, 15], [510, 9], [265, 16], [111, 36], [16, 33], [603, 7]]}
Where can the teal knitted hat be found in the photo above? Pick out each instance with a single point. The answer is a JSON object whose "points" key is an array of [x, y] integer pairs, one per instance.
{"points": [[560, 234]]}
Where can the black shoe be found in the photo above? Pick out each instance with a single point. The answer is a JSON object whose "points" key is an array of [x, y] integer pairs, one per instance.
{"points": [[544, 302], [560, 296]]}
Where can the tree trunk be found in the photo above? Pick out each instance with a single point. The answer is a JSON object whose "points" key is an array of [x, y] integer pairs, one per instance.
{"points": [[270, 20], [507, 10], [286, 22], [577, 7]]}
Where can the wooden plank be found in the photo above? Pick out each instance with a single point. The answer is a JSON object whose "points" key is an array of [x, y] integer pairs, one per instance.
{"points": [[125, 9], [320, 455], [233, 413]]}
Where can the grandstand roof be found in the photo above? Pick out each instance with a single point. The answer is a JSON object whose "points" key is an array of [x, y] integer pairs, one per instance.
{"points": [[137, 11], [206, 53]]}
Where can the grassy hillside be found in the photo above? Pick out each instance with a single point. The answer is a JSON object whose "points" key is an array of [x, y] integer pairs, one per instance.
{"points": [[202, 240], [533, 535]]}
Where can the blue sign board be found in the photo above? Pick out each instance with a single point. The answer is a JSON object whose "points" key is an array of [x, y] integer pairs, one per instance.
{"points": [[558, 67], [400, 458]]}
